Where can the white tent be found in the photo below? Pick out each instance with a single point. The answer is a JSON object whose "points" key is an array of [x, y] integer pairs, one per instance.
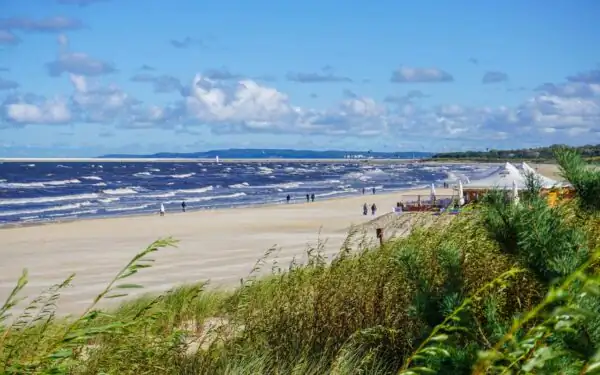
{"points": [[545, 181], [432, 193], [501, 178]]}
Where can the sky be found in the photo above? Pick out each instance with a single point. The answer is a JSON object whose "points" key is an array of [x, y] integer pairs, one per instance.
{"points": [[90, 77]]}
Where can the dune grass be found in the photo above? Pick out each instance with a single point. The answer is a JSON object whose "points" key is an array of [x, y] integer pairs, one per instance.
{"points": [[503, 289]]}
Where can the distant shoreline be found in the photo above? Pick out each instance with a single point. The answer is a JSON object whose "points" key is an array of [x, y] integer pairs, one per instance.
{"points": [[200, 160]]}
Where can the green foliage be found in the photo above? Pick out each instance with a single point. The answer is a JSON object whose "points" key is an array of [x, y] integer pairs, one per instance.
{"points": [[502, 288]]}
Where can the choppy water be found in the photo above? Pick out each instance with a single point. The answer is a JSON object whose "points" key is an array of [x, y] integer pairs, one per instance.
{"points": [[52, 191]]}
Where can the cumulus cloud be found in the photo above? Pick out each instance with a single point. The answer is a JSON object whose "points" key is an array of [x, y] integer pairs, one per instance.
{"points": [[494, 77], [53, 111], [76, 62], [100, 104], [554, 111], [50, 24], [406, 74], [325, 75], [8, 38]]}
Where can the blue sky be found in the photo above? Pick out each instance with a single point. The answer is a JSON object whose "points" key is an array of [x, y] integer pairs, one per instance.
{"points": [[87, 77]]}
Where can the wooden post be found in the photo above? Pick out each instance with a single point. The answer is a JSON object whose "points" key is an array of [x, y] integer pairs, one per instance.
{"points": [[379, 232]]}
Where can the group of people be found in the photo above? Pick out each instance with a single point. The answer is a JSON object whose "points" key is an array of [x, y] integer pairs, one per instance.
{"points": [[372, 190], [366, 209], [162, 208], [309, 198], [288, 198]]}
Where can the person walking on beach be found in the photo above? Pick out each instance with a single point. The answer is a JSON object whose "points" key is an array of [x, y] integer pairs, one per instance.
{"points": [[365, 209], [312, 197], [307, 198], [288, 198], [162, 210], [373, 209], [373, 190], [364, 192], [183, 206]]}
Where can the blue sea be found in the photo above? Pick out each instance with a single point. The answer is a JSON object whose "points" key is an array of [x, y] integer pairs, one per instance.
{"points": [[42, 192]]}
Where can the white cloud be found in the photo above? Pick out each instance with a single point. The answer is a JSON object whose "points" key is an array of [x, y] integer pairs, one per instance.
{"points": [[246, 102], [570, 110], [53, 111]]}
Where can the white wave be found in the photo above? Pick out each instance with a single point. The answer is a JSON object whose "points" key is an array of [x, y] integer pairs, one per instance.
{"points": [[63, 166], [195, 191], [142, 174], [286, 185], [75, 213], [336, 192], [153, 170], [119, 191], [94, 178], [37, 184], [210, 198], [167, 194], [108, 200], [183, 175], [239, 186], [29, 165], [128, 208], [65, 207], [264, 170], [100, 184], [75, 197]]}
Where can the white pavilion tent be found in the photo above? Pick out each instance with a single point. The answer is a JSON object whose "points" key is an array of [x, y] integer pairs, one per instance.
{"points": [[546, 182], [502, 178]]}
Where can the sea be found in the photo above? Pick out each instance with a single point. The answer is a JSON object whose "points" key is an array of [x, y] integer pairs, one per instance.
{"points": [[53, 191]]}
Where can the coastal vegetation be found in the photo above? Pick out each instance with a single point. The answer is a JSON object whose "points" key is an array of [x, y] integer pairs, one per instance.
{"points": [[499, 289], [540, 154]]}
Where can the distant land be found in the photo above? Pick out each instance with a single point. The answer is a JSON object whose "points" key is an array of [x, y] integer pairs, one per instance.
{"points": [[590, 152], [250, 153]]}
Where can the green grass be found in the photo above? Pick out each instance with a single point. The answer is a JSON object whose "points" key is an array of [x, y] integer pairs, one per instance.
{"points": [[502, 289]]}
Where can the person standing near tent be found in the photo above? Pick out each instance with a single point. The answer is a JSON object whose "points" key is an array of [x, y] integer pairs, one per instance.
{"points": [[162, 210]]}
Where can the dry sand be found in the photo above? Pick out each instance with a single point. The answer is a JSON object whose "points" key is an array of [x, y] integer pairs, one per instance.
{"points": [[218, 245]]}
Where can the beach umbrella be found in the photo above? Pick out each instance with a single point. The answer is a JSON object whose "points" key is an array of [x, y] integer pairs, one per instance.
{"points": [[515, 193], [461, 195], [432, 194]]}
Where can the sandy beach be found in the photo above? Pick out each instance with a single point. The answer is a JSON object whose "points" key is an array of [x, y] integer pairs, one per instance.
{"points": [[217, 245]]}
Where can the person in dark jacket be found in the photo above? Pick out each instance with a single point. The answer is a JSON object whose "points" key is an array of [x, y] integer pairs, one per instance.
{"points": [[365, 209], [312, 197], [373, 209], [183, 206], [288, 198]]}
